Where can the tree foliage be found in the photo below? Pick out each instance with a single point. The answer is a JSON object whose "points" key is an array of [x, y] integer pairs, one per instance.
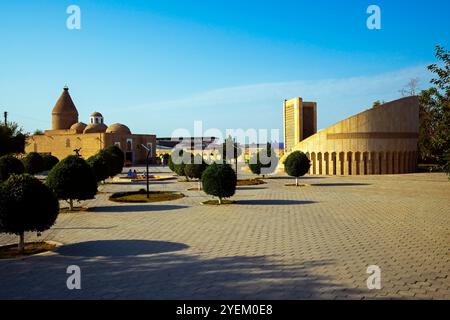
{"points": [[72, 179], [195, 169], [230, 150], [264, 162], [100, 166], [49, 161], [297, 165], [12, 139], [10, 165], [178, 161], [219, 180], [434, 129], [26, 204], [115, 158], [33, 163]]}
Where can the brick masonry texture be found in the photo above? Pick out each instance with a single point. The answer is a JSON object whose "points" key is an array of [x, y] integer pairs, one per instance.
{"points": [[277, 242]]}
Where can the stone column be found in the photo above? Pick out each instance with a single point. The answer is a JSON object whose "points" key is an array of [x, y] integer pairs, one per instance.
{"points": [[383, 157], [320, 163], [347, 162], [326, 163], [356, 164], [375, 163], [339, 163], [395, 163]]}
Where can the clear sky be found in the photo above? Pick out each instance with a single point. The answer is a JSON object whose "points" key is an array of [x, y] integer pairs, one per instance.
{"points": [[160, 65]]}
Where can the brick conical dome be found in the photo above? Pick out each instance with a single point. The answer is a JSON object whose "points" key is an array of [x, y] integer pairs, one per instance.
{"points": [[64, 114]]}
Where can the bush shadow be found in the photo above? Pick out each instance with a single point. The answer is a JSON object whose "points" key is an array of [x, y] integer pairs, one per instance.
{"points": [[118, 248], [340, 184], [136, 208], [159, 270], [274, 202]]}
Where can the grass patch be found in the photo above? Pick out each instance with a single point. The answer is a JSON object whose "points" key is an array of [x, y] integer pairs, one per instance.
{"points": [[11, 251], [300, 185], [250, 182], [75, 209], [216, 202], [141, 196]]}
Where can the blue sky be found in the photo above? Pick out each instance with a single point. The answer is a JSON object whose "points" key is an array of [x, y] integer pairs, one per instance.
{"points": [[161, 65]]}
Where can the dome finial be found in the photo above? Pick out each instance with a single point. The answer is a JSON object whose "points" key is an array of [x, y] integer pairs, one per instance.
{"points": [[66, 88]]}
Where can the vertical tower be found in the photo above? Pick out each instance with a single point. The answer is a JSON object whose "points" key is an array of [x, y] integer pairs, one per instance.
{"points": [[64, 114], [299, 121]]}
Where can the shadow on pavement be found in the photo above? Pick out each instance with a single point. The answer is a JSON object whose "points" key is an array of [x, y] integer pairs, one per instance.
{"points": [[274, 202], [118, 248], [136, 208], [340, 184], [120, 274]]}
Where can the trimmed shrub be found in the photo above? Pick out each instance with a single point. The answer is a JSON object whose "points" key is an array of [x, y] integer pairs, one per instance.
{"points": [[33, 163], [99, 165], [267, 166], [26, 204], [72, 179], [165, 159], [219, 180], [195, 170], [179, 165], [12, 140], [171, 164], [10, 165], [230, 150], [116, 160], [49, 161], [297, 165]]}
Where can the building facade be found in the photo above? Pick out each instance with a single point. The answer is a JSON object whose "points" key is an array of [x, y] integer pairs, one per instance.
{"points": [[69, 136], [381, 140]]}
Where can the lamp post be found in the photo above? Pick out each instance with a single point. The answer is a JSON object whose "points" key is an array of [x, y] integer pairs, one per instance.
{"points": [[149, 153]]}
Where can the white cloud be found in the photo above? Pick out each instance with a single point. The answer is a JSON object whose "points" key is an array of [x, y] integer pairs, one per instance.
{"points": [[354, 88], [259, 105]]}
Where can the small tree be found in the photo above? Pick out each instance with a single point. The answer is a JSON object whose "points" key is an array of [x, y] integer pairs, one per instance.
{"points": [[12, 139], [230, 150], [178, 161], [297, 165], [195, 170], [33, 163], [116, 160], [26, 204], [49, 161], [264, 162], [165, 159], [10, 165], [72, 179], [99, 165], [219, 180]]}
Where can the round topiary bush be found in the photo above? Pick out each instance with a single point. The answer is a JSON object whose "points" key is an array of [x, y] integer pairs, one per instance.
{"points": [[26, 204], [10, 165], [99, 165], [165, 159], [115, 158], [33, 163], [297, 165], [49, 161], [72, 179], [195, 170], [264, 162], [219, 180], [178, 161]]}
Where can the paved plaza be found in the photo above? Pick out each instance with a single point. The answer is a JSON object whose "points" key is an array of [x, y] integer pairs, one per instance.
{"points": [[277, 242]]}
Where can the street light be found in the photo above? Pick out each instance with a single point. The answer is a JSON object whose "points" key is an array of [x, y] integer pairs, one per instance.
{"points": [[149, 153]]}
